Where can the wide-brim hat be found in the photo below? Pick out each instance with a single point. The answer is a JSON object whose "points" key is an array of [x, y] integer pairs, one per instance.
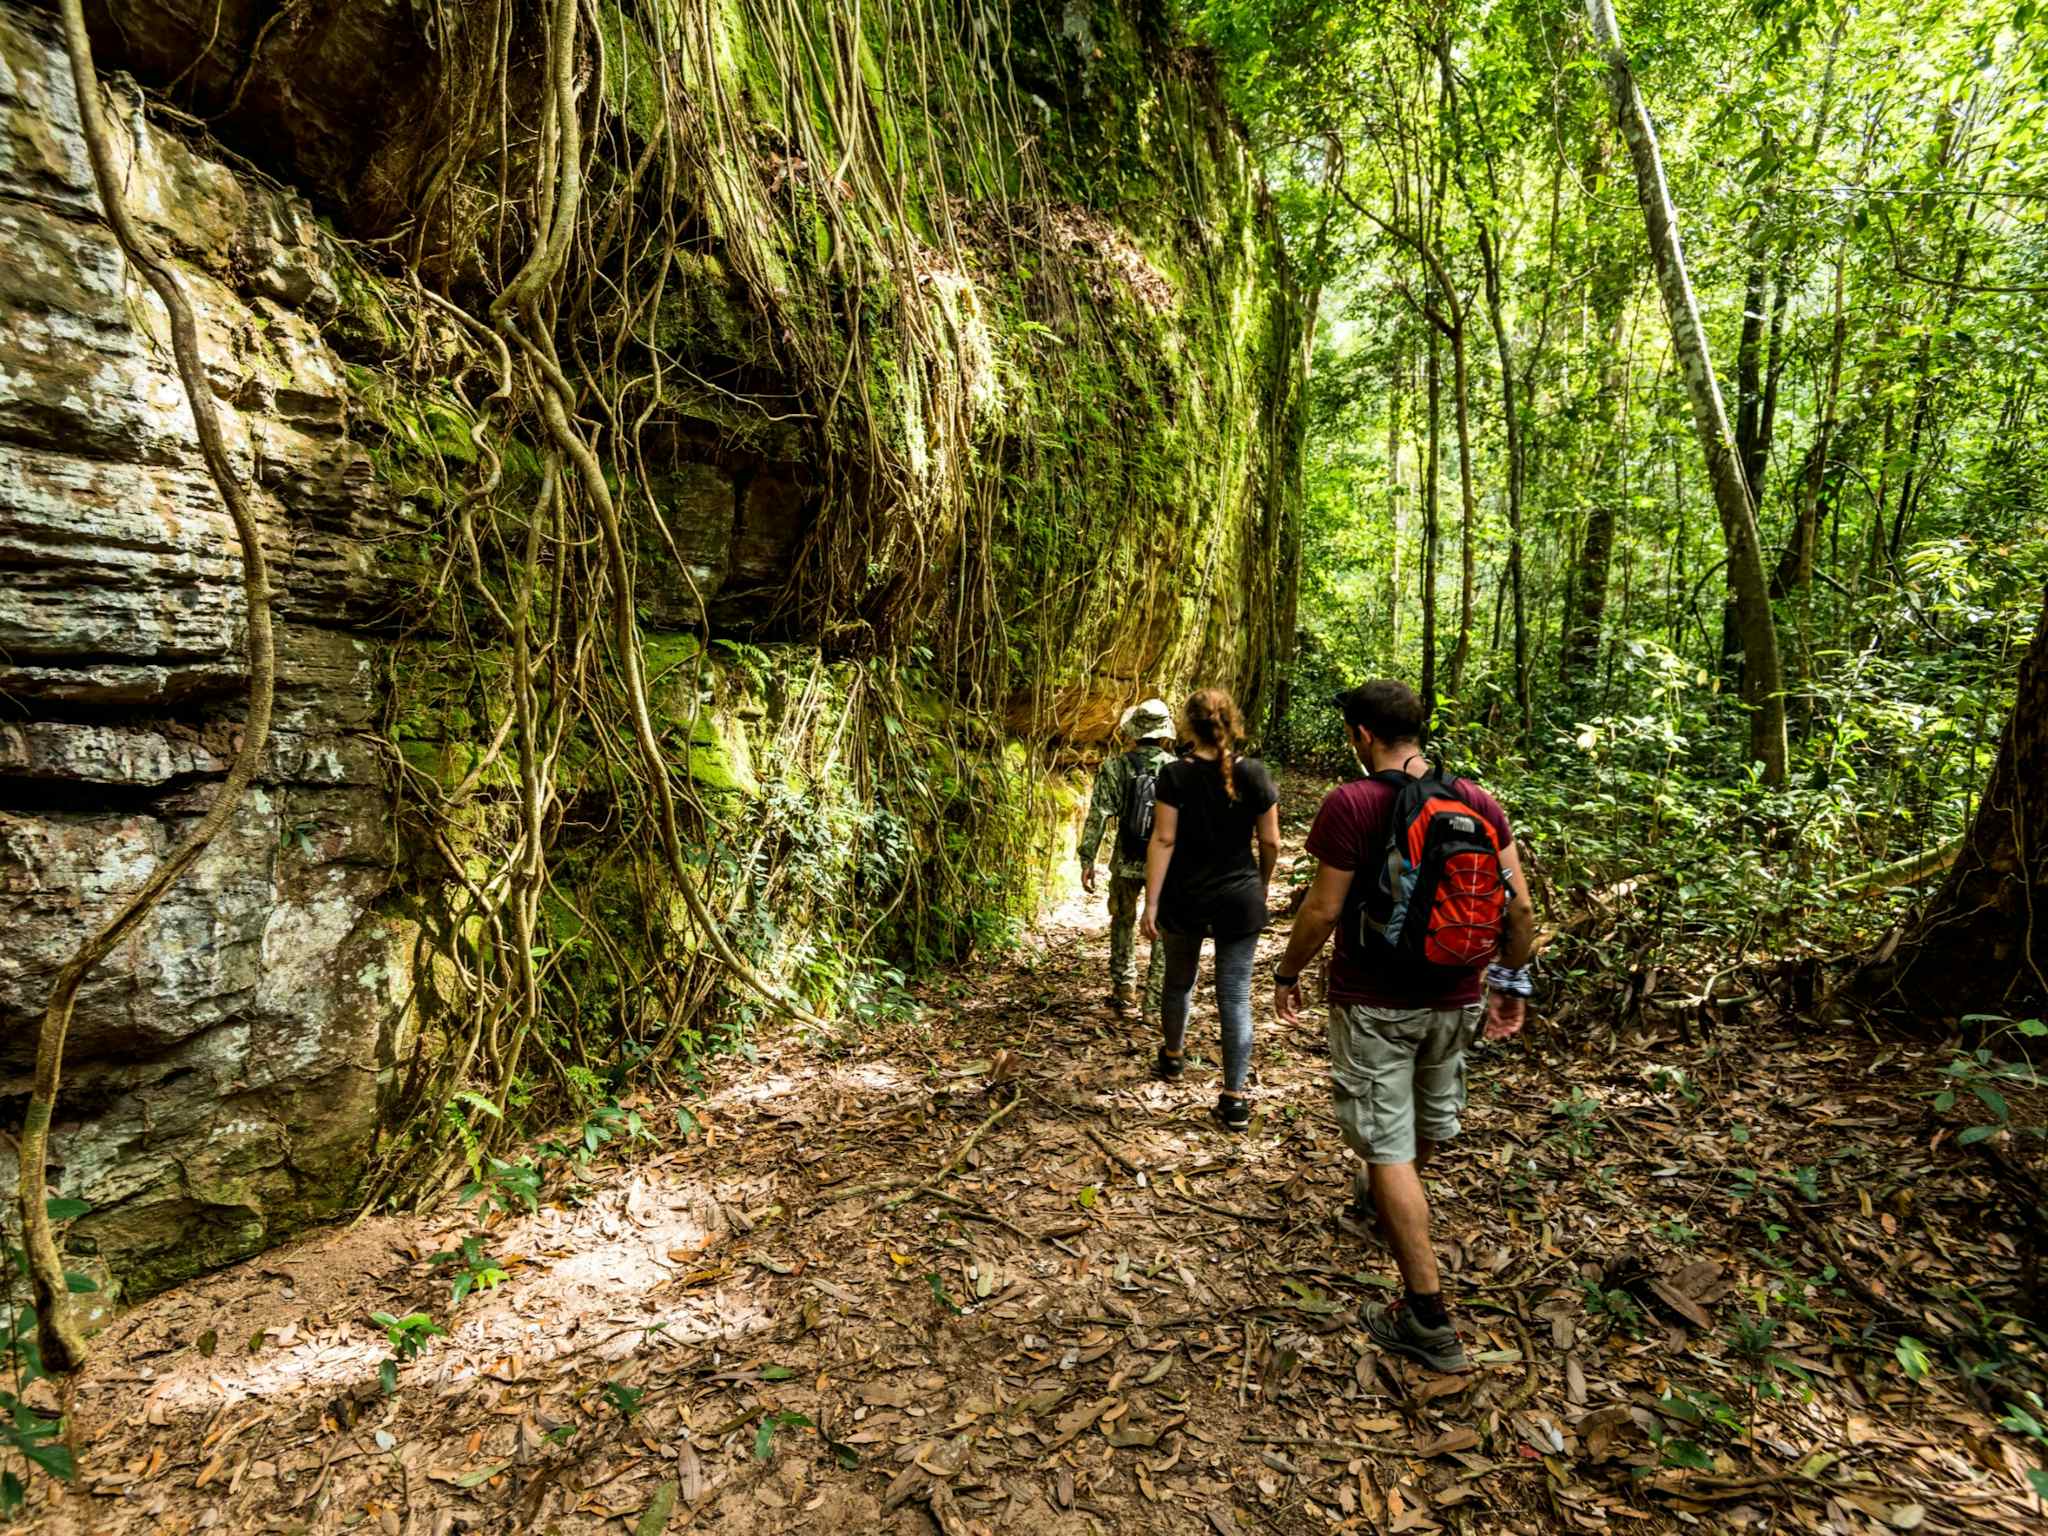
{"points": [[1142, 722]]}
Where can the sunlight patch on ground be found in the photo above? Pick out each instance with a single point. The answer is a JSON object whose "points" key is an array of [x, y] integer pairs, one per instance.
{"points": [[869, 1077], [603, 1278]]}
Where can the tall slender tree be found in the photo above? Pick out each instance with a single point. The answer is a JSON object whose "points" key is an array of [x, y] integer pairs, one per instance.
{"points": [[1763, 674]]}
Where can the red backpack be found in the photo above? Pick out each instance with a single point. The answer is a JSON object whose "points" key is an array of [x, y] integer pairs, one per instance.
{"points": [[1439, 904]]}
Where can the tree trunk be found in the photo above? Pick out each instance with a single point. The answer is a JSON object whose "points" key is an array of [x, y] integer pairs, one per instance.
{"points": [[1980, 945], [1762, 675], [1468, 578], [1511, 425], [1433, 373], [1581, 671], [1749, 371], [1795, 564], [1397, 391], [1924, 391]]}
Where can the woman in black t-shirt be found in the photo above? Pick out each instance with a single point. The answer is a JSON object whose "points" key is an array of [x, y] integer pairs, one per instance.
{"points": [[1201, 881]]}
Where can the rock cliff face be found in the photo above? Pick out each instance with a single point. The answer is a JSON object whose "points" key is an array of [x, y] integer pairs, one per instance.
{"points": [[229, 1065], [223, 1064]]}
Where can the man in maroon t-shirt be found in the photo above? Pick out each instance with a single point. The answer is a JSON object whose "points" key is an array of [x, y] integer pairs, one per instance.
{"points": [[1397, 1043]]}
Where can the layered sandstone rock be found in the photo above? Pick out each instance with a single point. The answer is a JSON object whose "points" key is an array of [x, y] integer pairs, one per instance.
{"points": [[222, 1079]]}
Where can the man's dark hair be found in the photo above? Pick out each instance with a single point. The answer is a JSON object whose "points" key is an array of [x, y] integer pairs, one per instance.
{"points": [[1391, 710]]}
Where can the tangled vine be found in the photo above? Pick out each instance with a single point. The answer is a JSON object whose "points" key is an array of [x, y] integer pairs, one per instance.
{"points": [[805, 231]]}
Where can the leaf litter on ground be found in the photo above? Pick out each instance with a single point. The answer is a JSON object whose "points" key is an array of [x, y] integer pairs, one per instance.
{"points": [[902, 1290]]}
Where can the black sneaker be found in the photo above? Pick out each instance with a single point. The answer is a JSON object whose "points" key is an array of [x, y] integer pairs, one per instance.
{"points": [[1232, 1112], [1168, 1065], [1393, 1327]]}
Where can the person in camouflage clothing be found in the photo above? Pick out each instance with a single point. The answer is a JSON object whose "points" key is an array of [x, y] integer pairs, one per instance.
{"points": [[1149, 729]]}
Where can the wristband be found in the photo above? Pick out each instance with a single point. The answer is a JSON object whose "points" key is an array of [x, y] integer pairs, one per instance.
{"points": [[1513, 981], [1285, 981]]}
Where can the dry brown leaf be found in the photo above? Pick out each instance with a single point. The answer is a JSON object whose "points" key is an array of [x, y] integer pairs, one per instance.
{"points": [[1159, 1369], [1131, 1437], [943, 1460], [1606, 1428], [1457, 1438], [946, 1513], [903, 1485], [1680, 1303], [1075, 1420], [1574, 1381]]}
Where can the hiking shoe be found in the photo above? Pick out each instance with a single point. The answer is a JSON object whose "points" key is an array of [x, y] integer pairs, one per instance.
{"points": [[1393, 1327], [1120, 997], [1231, 1112], [1167, 1066]]}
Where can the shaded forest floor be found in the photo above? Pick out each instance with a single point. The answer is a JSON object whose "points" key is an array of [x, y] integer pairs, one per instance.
{"points": [[1114, 1317]]}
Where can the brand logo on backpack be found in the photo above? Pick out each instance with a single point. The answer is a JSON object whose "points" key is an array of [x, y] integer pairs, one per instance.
{"points": [[1439, 904]]}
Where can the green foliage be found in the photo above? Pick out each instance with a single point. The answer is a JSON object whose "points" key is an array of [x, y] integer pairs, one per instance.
{"points": [[1913, 1358], [1581, 1114], [1446, 169], [1616, 1306], [504, 1186], [771, 1424], [1987, 1079], [624, 1400], [2019, 1420], [474, 1270], [25, 1430], [407, 1336]]}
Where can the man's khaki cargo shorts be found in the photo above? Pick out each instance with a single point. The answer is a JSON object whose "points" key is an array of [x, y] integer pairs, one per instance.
{"points": [[1397, 1072]]}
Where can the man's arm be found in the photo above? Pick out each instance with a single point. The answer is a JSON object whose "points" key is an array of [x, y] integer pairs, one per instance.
{"points": [[1505, 1009], [1269, 844], [1103, 803], [1313, 925], [1518, 941], [1158, 854]]}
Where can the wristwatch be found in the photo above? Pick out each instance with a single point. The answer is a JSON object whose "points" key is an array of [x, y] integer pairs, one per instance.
{"points": [[1284, 981]]}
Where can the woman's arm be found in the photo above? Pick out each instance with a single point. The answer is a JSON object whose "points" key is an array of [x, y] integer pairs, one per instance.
{"points": [[1158, 854], [1269, 843]]}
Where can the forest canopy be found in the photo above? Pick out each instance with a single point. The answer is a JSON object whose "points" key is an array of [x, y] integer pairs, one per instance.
{"points": [[1512, 493]]}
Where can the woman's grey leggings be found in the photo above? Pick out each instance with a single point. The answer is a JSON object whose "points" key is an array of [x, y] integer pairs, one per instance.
{"points": [[1233, 998]]}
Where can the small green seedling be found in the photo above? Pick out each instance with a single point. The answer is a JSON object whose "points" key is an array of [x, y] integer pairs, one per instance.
{"points": [[407, 1336], [475, 1270]]}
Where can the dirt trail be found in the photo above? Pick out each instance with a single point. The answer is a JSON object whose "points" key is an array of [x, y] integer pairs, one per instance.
{"points": [[1113, 1316]]}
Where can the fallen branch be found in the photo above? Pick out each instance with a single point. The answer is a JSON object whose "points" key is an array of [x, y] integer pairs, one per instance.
{"points": [[1109, 1151], [1224, 1210], [1336, 1447], [62, 1344], [953, 1162], [975, 1212], [1930, 861]]}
